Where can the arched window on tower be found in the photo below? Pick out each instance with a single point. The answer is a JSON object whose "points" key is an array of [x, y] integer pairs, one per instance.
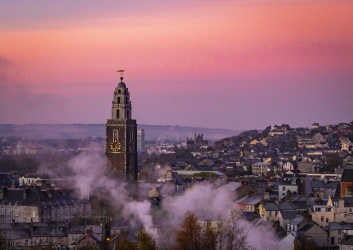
{"points": [[119, 91], [131, 135], [115, 135], [117, 114], [118, 99], [126, 100], [127, 114]]}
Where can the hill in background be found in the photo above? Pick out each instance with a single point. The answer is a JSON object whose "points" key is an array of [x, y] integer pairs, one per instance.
{"points": [[79, 131]]}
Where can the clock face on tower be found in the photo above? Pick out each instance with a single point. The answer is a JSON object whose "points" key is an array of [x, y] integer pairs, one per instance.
{"points": [[115, 146]]}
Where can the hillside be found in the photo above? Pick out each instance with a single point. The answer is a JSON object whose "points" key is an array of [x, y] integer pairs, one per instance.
{"points": [[77, 131]]}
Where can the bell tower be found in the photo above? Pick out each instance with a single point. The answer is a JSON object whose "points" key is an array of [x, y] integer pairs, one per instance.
{"points": [[121, 136]]}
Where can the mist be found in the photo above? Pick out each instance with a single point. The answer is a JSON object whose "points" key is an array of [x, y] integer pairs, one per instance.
{"points": [[208, 203]]}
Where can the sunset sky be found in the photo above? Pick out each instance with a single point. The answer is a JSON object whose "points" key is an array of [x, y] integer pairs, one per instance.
{"points": [[239, 64]]}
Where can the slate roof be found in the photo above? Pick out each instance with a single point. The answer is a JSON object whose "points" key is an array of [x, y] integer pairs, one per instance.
{"points": [[5, 180], [289, 214], [285, 205], [271, 206], [305, 228], [347, 241], [126, 224], [249, 200], [341, 226], [348, 201], [231, 186], [14, 195], [297, 220], [347, 175], [321, 184]]}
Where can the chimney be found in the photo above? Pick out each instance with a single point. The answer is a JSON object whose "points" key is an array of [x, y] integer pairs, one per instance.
{"points": [[13, 185], [49, 192], [2, 192], [267, 196], [307, 219], [169, 174], [89, 232], [25, 193], [277, 226]]}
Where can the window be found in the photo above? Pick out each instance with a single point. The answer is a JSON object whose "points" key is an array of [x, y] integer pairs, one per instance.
{"points": [[127, 114], [16, 212], [9, 213], [275, 213], [350, 210], [339, 231], [270, 213], [328, 209], [348, 192], [73, 236], [339, 240], [24, 209], [284, 188], [119, 91], [118, 99], [117, 114], [322, 218], [317, 209], [126, 100], [33, 214], [131, 135], [326, 220], [115, 135]]}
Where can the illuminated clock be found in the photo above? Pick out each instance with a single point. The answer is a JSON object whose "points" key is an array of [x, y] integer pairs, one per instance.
{"points": [[132, 145], [115, 146]]}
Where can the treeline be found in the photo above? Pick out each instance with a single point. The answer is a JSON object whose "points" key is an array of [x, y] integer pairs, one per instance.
{"points": [[227, 234]]}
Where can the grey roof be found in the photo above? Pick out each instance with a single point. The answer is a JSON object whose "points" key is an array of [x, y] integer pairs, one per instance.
{"points": [[49, 231], [347, 241], [289, 214], [348, 201], [231, 186], [297, 220], [286, 205], [82, 229], [5, 180], [347, 175], [321, 184], [13, 195], [249, 200], [178, 179], [342, 226], [126, 224], [271, 206]]}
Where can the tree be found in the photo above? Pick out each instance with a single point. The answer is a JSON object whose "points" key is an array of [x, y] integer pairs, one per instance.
{"points": [[333, 162], [229, 234], [300, 242], [124, 244], [311, 245], [146, 241], [189, 235]]}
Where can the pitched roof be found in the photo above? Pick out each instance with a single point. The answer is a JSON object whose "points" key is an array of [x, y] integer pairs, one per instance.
{"points": [[347, 175], [271, 206]]}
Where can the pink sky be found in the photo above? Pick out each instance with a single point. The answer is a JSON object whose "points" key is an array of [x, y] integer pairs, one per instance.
{"points": [[220, 64]]}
